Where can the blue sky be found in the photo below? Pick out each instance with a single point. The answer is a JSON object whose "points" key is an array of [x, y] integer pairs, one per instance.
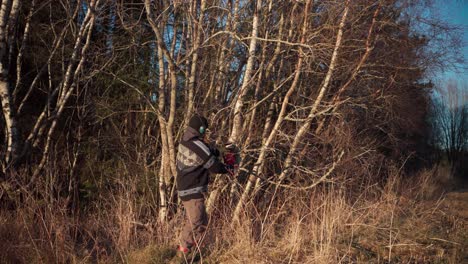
{"points": [[456, 12]]}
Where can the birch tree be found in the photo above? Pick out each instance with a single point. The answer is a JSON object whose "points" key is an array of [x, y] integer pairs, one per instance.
{"points": [[237, 122], [8, 12]]}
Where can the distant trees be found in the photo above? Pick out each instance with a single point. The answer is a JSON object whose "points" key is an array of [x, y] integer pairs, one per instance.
{"points": [[450, 121]]}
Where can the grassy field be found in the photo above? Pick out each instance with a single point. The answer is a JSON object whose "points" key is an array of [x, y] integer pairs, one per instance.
{"points": [[421, 223], [418, 220]]}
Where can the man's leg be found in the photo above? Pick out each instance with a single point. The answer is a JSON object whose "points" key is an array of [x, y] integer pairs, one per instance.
{"points": [[199, 227], [195, 224]]}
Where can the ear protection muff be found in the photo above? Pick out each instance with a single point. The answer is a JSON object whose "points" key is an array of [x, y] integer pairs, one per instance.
{"points": [[202, 130]]}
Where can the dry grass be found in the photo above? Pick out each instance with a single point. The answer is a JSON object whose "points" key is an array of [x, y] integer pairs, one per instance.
{"points": [[410, 221], [402, 222]]}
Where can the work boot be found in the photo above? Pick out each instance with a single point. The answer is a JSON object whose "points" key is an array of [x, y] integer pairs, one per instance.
{"points": [[183, 255]]}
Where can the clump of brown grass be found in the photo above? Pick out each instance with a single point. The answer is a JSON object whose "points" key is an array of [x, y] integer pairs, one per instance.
{"points": [[36, 231], [44, 229]]}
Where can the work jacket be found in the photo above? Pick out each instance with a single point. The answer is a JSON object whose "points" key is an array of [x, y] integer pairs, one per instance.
{"points": [[195, 160]]}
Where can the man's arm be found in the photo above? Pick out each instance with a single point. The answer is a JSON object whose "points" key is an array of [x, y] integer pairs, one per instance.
{"points": [[217, 166], [210, 158], [214, 164]]}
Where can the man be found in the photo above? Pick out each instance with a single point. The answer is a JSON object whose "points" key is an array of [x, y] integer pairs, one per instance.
{"points": [[195, 160]]}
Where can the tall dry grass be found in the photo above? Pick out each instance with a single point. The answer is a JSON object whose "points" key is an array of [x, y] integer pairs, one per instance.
{"points": [[36, 228], [401, 221], [396, 222]]}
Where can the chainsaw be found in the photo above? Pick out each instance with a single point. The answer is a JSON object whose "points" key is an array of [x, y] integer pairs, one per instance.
{"points": [[231, 157]]}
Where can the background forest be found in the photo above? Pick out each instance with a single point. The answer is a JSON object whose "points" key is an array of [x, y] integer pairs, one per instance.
{"points": [[348, 146]]}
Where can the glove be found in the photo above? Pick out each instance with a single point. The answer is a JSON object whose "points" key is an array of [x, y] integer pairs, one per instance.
{"points": [[214, 150]]}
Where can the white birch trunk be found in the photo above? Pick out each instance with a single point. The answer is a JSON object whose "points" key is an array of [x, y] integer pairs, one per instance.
{"points": [[5, 93], [164, 170], [172, 72], [164, 143], [170, 123], [237, 124], [10, 123], [162, 190]]}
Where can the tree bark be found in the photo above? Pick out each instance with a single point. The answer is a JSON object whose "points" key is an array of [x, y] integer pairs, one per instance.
{"points": [[8, 109], [237, 123]]}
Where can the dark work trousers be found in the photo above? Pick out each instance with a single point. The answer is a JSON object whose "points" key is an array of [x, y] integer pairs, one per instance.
{"points": [[196, 220]]}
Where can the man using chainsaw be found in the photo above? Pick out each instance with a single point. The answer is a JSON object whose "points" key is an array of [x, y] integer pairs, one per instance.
{"points": [[195, 161]]}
